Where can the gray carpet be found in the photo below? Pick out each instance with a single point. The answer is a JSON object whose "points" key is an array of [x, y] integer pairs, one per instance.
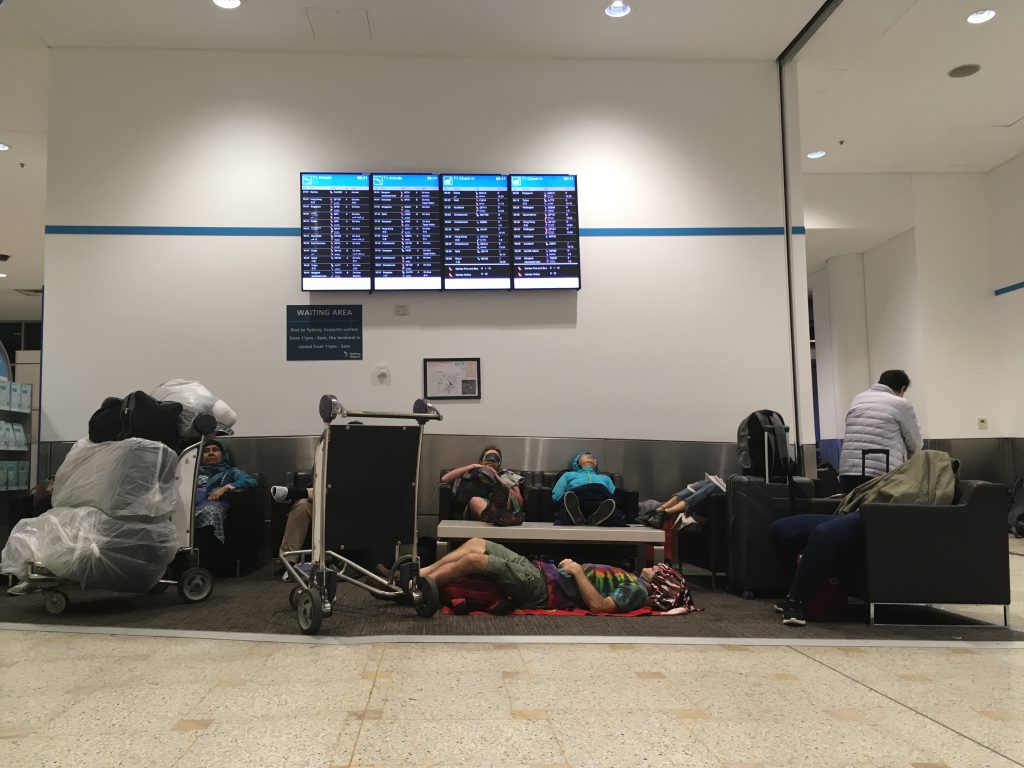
{"points": [[259, 603]]}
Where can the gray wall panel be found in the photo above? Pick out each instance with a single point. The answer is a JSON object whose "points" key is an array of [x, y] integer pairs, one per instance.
{"points": [[986, 458]]}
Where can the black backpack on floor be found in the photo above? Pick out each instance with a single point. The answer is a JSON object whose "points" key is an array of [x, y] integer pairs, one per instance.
{"points": [[1016, 515]]}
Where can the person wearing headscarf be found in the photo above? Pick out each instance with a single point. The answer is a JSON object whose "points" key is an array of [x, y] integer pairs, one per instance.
{"points": [[216, 477]]}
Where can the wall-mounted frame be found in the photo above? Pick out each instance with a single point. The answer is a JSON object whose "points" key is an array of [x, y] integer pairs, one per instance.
{"points": [[451, 378]]}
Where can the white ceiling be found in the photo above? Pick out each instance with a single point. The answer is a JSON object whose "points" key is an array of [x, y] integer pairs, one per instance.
{"points": [[875, 77]]}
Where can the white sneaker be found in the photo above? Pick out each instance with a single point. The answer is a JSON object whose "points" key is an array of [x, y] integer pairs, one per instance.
{"points": [[279, 493], [682, 520]]}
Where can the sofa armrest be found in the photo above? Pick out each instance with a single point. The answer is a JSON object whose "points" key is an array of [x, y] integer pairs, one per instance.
{"points": [[941, 554]]}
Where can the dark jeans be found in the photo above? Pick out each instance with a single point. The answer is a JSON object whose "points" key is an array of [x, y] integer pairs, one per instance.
{"points": [[590, 496], [824, 540]]}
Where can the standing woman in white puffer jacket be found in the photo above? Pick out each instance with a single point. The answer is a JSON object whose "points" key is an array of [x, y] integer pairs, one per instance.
{"points": [[879, 419]]}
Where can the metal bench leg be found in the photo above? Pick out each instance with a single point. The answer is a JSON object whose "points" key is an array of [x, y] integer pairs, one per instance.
{"points": [[871, 614], [442, 548], [1006, 616], [659, 554]]}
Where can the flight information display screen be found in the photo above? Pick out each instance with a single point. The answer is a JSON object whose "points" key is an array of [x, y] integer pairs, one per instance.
{"points": [[545, 232], [406, 231], [337, 232], [476, 237]]}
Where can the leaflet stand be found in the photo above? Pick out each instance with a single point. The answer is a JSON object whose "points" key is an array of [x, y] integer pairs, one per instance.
{"points": [[364, 496]]}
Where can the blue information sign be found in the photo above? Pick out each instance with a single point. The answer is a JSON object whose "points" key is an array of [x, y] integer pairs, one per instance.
{"points": [[325, 332]]}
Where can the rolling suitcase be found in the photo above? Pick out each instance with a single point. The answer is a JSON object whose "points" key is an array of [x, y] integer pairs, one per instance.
{"points": [[137, 415], [754, 566]]}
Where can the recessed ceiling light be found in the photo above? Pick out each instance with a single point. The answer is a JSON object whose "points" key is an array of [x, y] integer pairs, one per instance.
{"points": [[4, 147], [617, 9], [229, 4], [2, 275], [964, 70], [816, 154], [980, 17]]}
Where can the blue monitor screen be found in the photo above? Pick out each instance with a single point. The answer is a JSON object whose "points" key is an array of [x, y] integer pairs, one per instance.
{"points": [[545, 231], [336, 231], [406, 232], [476, 237]]}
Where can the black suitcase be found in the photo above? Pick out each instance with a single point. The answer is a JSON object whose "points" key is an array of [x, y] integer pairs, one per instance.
{"points": [[137, 415], [754, 566]]}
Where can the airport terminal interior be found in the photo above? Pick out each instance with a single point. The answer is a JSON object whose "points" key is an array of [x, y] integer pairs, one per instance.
{"points": [[576, 384]]}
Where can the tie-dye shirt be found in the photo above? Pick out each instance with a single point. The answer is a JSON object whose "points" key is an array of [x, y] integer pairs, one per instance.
{"points": [[623, 587]]}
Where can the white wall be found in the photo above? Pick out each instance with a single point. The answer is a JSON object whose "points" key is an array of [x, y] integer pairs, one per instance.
{"points": [[670, 338], [1006, 226], [893, 317], [841, 342]]}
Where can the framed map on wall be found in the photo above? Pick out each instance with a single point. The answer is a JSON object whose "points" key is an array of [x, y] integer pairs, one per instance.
{"points": [[451, 378]]}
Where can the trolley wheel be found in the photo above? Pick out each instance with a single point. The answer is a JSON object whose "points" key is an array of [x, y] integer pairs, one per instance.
{"points": [[293, 597], [309, 611], [195, 585], [55, 601], [429, 600]]}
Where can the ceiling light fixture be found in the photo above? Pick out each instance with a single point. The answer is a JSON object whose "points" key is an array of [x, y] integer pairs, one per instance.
{"points": [[964, 70], [816, 154], [617, 9], [4, 147], [229, 4], [980, 17], [2, 275]]}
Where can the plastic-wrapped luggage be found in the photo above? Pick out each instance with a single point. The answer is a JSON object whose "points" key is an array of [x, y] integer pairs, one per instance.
{"points": [[131, 479], [110, 527], [84, 545], [195, 399]]}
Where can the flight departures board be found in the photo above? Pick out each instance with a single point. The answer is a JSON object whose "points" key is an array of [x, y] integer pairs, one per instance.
{"points": [[423, 232]]}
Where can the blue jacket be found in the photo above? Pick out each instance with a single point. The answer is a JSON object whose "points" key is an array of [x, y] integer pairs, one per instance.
{"points": [[576, 477]]}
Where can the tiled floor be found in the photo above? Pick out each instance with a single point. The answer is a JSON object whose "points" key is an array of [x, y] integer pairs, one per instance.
{"points": [[70, 699], [98, 700]]}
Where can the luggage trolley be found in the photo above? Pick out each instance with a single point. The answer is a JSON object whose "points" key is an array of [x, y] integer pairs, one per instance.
{"points": [[194, 583], [364, 497]]}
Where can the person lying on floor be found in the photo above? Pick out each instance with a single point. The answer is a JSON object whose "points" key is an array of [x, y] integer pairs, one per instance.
{"points": [[680, 505], [484, 491], [593, 587], [583, 496]]}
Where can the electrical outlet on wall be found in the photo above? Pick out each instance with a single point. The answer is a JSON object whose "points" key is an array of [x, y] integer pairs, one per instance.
{"points": [[382, 375], [982, 423]]}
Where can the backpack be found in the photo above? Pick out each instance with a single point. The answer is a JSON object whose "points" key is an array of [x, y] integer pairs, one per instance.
{"points": [[476, 482], [667, 590], [775, 465], [1016, 515]]}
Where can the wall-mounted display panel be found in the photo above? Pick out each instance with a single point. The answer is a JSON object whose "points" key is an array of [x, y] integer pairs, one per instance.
{"points": [[545, 232], [406, 232], [336, 232], [476, 236]]}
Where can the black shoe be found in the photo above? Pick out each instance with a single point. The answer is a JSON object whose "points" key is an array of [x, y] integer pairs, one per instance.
{"points": [[793, 613], [604, 510], [572, 507]]}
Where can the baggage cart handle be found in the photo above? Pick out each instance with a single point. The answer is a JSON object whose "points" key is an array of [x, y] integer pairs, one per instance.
{"points": [[422, 411]]}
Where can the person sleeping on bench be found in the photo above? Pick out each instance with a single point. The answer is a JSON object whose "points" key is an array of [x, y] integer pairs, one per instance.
{"points": [[533, 584], [583, 496]]}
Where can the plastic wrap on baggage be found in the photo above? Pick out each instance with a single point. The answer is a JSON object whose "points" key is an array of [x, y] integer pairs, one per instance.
{"points": [[131, 479], [84, 545], [195, 399]]}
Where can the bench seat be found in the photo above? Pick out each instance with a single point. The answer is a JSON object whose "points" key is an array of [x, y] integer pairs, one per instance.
{"points": [[647, 540]]}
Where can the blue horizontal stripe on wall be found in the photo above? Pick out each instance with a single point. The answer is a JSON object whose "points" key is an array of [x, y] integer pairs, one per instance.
{"points": [[61, 229], [1009, 289]]}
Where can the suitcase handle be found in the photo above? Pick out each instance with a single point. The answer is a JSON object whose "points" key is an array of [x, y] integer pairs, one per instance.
{"points": [[864, 459]]}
